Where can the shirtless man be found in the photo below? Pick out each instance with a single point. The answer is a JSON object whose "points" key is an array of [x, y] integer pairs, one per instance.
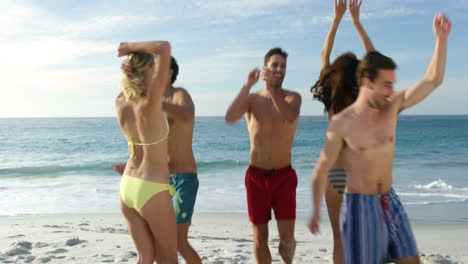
{"points": [[375, 227], [180, 112], [272, 116]]}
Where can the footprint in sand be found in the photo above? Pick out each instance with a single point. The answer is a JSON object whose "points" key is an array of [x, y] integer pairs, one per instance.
{"points": [[58, 251], [74, 241], [126, 257], [436, 259], [19, 248], [54, 226], [23, 245], [44, 259], [16, 251], [16, 236], [24, 259], [40, 245]]}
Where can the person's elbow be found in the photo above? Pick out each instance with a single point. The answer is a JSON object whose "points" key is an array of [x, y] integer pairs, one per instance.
{"points": [[189, 116], [435, 81], [438, 81], [319, 171], [165, 48], [228, 118]]}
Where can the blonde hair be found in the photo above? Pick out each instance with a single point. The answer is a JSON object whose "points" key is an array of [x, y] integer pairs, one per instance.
{"points": [[134, 85]]}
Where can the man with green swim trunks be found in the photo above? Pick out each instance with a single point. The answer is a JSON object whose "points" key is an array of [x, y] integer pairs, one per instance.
{"points": [[180, 111]]}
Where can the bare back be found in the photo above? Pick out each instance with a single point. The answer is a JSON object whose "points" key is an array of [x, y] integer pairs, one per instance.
{"points": [[271, 136], [144, 123]]}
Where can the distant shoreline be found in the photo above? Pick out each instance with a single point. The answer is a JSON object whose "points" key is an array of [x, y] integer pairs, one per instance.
{"points": [[200, 116]]}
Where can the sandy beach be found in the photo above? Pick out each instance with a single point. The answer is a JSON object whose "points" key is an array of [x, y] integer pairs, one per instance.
{"points": [[219, 238]]}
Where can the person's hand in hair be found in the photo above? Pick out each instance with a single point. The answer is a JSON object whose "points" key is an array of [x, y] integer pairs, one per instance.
{"points": [[126, 67]]}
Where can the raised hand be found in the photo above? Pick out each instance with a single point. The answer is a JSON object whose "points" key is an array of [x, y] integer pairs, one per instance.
{"points": [[126, 67], [252, 77], [119, 168], [267, 76], [354, 6], [123, 49], [340, 9], [442, 26]]}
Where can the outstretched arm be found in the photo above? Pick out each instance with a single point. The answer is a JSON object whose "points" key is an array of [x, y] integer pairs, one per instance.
{"points": [[354, 9], [340, 8], [328, 156], [436, 70], [161, 77], [241, 104]]}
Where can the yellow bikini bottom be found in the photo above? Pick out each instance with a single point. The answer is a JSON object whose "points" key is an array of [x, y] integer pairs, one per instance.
{"points": [[135, 192]]}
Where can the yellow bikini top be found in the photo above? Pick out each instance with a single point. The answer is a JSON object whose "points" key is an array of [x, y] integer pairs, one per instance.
{"points": [[132, 144]]}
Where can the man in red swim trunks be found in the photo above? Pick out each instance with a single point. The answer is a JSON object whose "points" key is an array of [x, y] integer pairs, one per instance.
{"points": [[272, 116]]}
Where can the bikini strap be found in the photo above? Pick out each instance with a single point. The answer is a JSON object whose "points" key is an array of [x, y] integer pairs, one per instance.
{"points": [[132, 144]]}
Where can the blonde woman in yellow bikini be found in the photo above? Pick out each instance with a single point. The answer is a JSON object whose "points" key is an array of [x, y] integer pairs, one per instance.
{"points": [[145, 195]]}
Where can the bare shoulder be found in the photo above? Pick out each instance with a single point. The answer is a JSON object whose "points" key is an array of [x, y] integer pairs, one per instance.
{"points": [[292, 94], [256, 96], [255, 100], [181, 94], [340, 121], [119, 99], [180, 91]]}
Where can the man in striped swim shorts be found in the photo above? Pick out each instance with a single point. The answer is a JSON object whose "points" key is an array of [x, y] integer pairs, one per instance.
{"points": [[375, 227]]}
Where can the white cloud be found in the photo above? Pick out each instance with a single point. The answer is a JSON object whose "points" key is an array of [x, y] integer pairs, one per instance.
{"points": [[391, 12], [240, 8], [61, 55]]}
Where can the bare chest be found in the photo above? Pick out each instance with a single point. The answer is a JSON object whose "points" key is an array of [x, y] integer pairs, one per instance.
{"points": [[265, 112], [367, 136]]}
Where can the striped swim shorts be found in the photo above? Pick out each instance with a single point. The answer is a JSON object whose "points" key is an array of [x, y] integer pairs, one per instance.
{"points": [[375, 229]]}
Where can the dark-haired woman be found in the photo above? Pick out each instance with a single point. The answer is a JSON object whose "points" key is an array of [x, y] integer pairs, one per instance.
{"points": [[336, 89]]}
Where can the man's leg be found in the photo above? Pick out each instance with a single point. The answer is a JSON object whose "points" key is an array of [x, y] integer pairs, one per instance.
{"points": [[287, 244], [261, 250], [284, 205], [185, 249], [186, 186]]}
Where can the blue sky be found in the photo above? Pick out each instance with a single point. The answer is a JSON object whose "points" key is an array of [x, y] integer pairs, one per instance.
{"points": [[59, 57]]}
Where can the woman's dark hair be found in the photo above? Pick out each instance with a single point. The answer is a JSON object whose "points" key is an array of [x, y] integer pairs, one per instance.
{"points": [[337, 87]]}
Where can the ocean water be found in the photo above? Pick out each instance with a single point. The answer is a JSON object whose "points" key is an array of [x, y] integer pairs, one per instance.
{"points": [[62, 165]]}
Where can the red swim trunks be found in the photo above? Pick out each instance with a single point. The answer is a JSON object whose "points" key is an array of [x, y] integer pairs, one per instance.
{"points": [[267, 189]]}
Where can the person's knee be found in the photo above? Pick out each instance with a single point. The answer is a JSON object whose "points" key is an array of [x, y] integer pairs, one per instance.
{"points": [[261, 238], [286, 248], [182, 245]]}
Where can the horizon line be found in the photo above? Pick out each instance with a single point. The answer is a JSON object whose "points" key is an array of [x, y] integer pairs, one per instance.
{"points": [[324, 115]]}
